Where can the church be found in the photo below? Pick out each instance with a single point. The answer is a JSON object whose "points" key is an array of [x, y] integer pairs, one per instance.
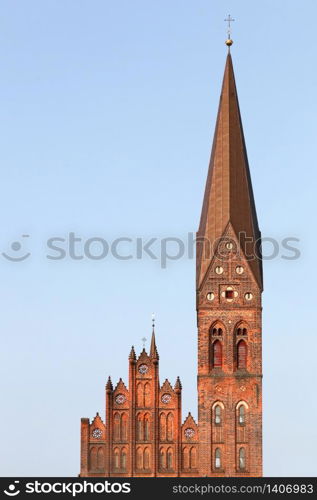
{"points": [[143, 434]]}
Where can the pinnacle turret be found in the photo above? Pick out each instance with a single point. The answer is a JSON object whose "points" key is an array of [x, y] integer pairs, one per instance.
{"points": [[132, 355], [109, 386], [178, 385]]}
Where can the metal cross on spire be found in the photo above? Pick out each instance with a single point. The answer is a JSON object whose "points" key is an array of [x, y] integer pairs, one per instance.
{"points": [[144, 339], [229, 42], [229, 20]]}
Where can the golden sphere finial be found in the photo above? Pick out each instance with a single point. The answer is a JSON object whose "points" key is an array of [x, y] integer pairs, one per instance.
{"points": [[229, 42]]}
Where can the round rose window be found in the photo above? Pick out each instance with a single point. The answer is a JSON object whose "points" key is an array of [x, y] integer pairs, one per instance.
{"points": [[120, 399], [166, 398], [189, 433], [143, 369]]}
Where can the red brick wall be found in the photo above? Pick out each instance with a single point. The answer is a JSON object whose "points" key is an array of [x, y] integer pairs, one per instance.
{"points": [[228, 385]]}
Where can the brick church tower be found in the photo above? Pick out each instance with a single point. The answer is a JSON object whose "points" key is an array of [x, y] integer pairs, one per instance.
{"points": [[144, 435], [229, 286]]}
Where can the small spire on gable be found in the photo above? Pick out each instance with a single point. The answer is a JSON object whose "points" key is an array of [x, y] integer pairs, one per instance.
{"points": [[153, 348]]}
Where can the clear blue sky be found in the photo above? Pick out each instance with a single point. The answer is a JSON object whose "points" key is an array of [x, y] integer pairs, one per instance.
{"points": [[106, 122]]}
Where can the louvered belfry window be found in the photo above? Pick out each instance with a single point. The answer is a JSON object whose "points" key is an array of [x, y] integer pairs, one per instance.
{"points": [[217, 332], [217, 354], [242, 354]]}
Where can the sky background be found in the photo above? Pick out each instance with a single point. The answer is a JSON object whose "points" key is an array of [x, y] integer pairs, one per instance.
{"points": [[107, 116]]}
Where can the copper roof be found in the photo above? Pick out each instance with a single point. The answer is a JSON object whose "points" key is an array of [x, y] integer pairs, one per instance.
{"points": [[228, 194]]}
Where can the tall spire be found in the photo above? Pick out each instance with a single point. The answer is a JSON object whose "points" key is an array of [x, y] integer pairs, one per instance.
{"points": [[153, 349], [228, 194]]}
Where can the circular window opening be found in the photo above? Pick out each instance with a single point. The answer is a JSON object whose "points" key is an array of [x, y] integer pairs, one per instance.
{"points": [[219, 270], [210, 296]]}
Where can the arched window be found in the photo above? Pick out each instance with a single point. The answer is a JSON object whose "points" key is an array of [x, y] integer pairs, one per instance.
{"points": [[169, 458], [124, 427], [217, 354], [218, 458], [162, 458], [146, 428], [139, 458], [147, 395], [100, 458], [241, 413], [123, 459], [146, 458], [116, 459], [163, 427], [218, 415], [170, 427], [242, 458], [117, 427], [186, 458], [242, 332], [140, 427], [139, 394], [242, 354], [93, 458], [193, 464], [216, 331]]}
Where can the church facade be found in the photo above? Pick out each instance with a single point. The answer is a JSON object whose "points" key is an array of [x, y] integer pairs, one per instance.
{"points": [[143, 434]]}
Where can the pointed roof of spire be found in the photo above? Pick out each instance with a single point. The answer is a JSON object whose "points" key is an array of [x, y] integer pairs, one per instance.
{"points": [[153, 349], [228, 194]]}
